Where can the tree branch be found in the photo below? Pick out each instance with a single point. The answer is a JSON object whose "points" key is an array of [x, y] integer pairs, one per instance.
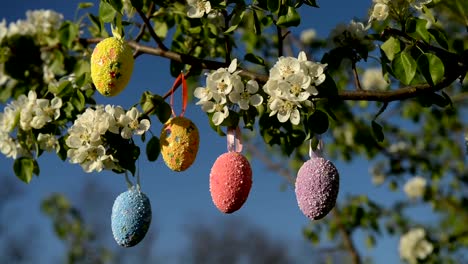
{"points": [[399, 94], [143, 27], [151, 30], [347, 240]]}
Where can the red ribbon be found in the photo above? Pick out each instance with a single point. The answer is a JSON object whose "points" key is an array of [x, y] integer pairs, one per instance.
{"points": [[180, 80], [234, 142]]}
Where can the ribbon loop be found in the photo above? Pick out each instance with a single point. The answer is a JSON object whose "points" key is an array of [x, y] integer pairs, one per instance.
{"points": [[178, 81], [319, 151], [234, 141]]}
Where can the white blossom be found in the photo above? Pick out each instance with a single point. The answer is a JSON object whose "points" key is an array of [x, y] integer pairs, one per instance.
{"points": [[308, 36], [8, 146], [45, 111], [291, 82], [350, 35], [26, 105], [91, 158], [3, 30], [285, 110], [372, 79], [198, 8], [380, 12], [21, 27], [224, 87], [398, 147], [415, 187], [216, 18], [87, 140], [203, 94], [131, 125], [414, 246], [246, 97], [48, 142], [218, 108], [45, 21], [418, 4]]}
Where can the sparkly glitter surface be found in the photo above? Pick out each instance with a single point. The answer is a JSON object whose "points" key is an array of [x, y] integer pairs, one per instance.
{"points": [[230, 181], [111, 66], [131, 217], [179, 143], [317, 185]]}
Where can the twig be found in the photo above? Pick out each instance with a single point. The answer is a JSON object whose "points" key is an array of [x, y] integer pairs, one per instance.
{"points": [[356, 76], [227, 43], [405, 92], [151, 31], [347, 240], [143, 26], [279, 33]]}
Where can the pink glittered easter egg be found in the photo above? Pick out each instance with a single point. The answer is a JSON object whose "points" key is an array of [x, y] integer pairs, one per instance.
{"points": [[230, 181]]}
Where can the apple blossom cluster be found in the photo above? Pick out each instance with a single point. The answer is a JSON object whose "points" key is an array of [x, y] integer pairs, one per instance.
{"points": [[372, 79], [414, 246], [39, 23], [87, 141], [415, 187], [198, 8], [23, 115], [381, 8], [224, 88], [292, 81], [43, 26], [351, 35]]}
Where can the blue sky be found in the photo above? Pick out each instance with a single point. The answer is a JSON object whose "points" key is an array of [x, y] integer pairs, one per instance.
{"points": [[179, 197]]}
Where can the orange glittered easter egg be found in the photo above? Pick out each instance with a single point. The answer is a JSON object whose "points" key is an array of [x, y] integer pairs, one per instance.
{"points": [[179, 143]]}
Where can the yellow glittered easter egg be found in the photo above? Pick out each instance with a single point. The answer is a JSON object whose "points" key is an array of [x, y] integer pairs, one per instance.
{"points": [[179, 143], [111, 66]]}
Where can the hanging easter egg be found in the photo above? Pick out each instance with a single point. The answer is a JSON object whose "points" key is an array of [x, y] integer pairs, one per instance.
{"points": [[179, 143], [111, 65], [230, 181], [131, 217], [317, 185]]}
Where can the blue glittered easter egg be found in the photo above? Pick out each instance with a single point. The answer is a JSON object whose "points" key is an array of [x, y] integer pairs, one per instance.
{"points": [[131, 217]]}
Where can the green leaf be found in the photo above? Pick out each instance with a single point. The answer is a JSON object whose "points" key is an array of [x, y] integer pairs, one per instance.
{"points": [[161, 29], [391, 47], [273, 5], [290, 19], [155, 104], [116, 4], [416, 28], [24, 169], [67, 33], [318, 122], [404, 67], [153, 149], [85, 5], [377, 131], [257, 25], [95, 21], [431, 67], [106, 12], [254, 59], [439, 37], [78, 101], [236, 19]]}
